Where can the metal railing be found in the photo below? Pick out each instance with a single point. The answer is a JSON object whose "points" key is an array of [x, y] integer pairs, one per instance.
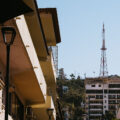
{"points": [[54, 50]]}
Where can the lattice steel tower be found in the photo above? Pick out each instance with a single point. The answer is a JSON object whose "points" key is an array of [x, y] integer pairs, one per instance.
{"points": [[103, 64]]}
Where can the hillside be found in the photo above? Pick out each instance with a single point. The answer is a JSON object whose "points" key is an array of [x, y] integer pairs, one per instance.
{"points": [[71, 92]]}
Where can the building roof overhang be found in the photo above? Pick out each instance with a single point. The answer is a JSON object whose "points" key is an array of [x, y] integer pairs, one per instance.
{"points": [[12, 8], [50, 25]]}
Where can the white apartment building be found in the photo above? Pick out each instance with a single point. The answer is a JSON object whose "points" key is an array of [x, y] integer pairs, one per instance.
{"points": [[102, 94]]}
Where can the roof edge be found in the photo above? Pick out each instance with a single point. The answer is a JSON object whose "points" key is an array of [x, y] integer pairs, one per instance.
{"points": [[53, 11]]}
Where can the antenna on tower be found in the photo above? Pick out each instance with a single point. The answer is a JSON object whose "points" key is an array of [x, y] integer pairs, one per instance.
{"points": [[103, 64]]}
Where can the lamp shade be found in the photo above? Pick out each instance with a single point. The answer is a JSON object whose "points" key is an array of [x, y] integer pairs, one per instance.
{"points": [[12, 8], [7, 32], [50, 111]]}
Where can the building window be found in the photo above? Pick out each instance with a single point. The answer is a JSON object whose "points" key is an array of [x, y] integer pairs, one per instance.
{"points": [[92, 85], [94, 91], [65, 89], [112, 102], [104, 106], [112, 96], [114, 85], [99, 85], [99, 96], [118, 96]]}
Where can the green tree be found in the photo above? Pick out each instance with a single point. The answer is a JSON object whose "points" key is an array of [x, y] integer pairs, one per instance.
{"points": [[72, 76], [78, 77], [74, 97], [109, 115]]}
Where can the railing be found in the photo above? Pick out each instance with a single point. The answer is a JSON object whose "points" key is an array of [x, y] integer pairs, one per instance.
{"points": [[54, 50]]}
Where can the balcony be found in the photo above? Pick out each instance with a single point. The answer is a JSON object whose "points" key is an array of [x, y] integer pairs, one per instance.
{"points": [[25, 70], [49, 71], [96, 109], [97, 114], [35, 72], [40, 110], [95, 103]]}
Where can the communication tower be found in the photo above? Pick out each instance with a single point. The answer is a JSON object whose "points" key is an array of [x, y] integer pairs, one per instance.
{"points": [[103, 64]]}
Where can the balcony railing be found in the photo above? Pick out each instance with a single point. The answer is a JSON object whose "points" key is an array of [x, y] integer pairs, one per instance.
{"points": [[54, 50]]}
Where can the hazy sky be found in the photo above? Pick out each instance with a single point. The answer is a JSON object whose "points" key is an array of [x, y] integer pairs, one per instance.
{"points": [[80, 23]]}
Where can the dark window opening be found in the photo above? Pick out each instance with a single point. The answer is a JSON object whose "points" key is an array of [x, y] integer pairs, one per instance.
{"points": [[92, 85]]}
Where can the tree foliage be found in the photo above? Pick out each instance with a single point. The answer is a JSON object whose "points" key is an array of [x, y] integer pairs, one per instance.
{"points": [[73, 98], [109, 116]]}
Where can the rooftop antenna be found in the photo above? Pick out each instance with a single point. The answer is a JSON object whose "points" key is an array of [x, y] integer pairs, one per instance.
{"points": [[94, 73], [85, 75]]}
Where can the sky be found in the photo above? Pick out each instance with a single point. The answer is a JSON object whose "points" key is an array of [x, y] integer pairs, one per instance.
{"points": [[80, 23]]}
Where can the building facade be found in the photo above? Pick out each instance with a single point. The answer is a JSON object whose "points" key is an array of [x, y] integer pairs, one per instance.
{"points": [[102, 95], [32, 87]]}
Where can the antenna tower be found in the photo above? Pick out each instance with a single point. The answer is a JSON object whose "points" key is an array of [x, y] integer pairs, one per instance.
{"points": [[103, 64]]}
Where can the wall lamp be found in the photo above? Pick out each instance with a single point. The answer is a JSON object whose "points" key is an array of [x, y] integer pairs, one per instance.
{"points": [[50, 113]]}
